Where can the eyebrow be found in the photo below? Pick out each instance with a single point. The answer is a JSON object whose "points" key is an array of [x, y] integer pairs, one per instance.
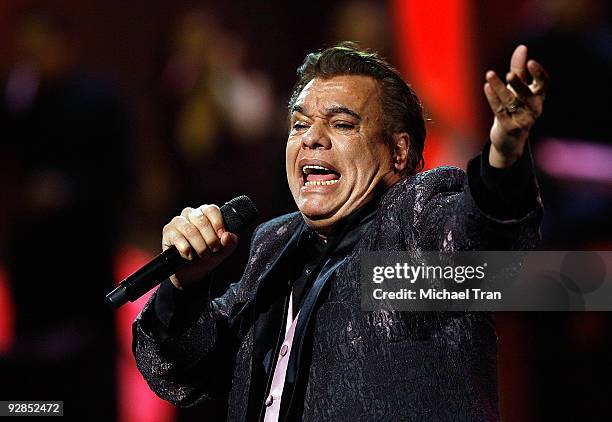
{"points": [[341, 110], [329, 111]]}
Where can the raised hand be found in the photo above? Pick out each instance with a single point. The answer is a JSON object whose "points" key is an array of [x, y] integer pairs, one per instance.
{"points": [[516, 105]]}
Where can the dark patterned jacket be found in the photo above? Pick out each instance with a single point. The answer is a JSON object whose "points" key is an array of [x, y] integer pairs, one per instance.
{"points": [[367, 366]]}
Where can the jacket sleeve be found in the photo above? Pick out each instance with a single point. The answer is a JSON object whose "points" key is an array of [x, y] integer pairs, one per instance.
{"points": [[480, 210], [196, 363]]}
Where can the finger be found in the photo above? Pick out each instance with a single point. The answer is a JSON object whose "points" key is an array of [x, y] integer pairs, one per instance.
{"points": [[229, 239], [174, 238], [504, 94], [540, 77], [519, 61], [213, 213], [203, 224], [494, 101], [192, 234], [229, 242], [521, 90]]}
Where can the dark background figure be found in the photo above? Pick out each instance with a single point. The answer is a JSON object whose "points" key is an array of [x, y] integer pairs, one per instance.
{"points": [[65, 136], [218, 109]]}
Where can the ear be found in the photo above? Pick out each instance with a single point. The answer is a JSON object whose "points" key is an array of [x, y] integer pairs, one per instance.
{"points": [[401, 145]]}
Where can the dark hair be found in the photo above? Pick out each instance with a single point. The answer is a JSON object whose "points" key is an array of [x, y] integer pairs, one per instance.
{"points": [[401, 108]]}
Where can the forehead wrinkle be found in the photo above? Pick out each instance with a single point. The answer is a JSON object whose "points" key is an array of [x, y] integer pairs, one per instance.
{"points": [[332, 87]]}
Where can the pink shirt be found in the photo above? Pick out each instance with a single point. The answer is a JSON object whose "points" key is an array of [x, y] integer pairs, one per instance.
{"points": [[273, 401]]}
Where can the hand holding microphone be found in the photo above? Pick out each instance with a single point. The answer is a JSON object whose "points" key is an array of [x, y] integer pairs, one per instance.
{"points": [[201, 237]]}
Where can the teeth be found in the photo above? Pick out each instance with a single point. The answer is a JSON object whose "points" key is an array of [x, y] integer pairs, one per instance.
{"points": [[308, 168], [321, 183]]}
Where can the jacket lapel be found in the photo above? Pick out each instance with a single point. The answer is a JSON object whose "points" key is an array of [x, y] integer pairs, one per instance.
{"points": [[300, 352], [267, 311]]}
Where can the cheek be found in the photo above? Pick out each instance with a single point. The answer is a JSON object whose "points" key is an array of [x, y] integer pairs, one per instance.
{"points": [[367, 160]]}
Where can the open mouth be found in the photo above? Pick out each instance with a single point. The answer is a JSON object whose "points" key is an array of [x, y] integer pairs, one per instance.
{"points": [[315, 175]]}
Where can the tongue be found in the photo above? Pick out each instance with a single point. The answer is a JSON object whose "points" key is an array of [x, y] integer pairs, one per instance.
{"points": [[321, 177]]}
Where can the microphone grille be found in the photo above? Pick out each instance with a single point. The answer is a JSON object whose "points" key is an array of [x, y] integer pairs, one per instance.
{"points": [[238, 213]]}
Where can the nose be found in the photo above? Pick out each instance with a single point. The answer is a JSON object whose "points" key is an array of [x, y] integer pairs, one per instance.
{"points": [[316, 137]]}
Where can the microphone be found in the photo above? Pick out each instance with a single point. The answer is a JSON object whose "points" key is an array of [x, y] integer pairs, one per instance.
{"points": [[237, 214]]}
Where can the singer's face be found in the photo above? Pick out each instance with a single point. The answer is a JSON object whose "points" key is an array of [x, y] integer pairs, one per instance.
{"points": [[336, 153]]}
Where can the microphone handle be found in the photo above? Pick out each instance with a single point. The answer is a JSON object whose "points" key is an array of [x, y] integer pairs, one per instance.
{"points": [[148, 276]]}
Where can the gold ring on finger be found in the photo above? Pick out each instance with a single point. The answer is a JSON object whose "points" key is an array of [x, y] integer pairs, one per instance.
{"points": [[514, 106]]}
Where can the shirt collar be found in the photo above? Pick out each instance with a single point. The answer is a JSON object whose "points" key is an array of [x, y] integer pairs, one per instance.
{"points": [[345, 228]]}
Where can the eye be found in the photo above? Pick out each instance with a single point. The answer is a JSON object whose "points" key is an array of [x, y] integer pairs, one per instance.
{"points": [[344, 126], [299, 126]]}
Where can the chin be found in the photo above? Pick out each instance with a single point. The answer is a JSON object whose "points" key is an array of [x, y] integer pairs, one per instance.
{"points": [[314, 213]]}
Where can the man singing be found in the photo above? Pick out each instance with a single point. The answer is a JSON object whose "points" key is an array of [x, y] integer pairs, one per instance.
{"points": [[289, 340]]}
